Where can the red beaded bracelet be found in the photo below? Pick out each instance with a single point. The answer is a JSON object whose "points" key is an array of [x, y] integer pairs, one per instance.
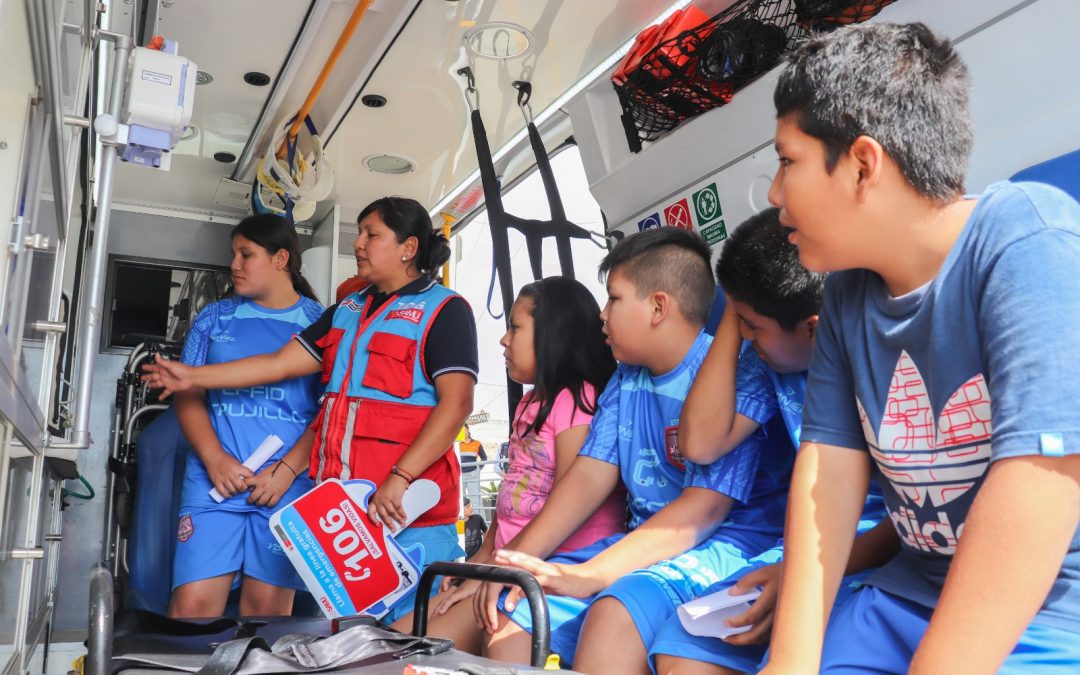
{"points": [[398, 471]]}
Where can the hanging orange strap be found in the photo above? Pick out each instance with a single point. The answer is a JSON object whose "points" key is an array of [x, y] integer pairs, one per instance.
{"points": [[328, 67], [447, 220]]}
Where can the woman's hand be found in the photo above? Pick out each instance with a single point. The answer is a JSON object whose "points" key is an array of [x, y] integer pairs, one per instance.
{"points": [[229, 476], [168, 375], [385, 506], [270, 484], [760, 614]]}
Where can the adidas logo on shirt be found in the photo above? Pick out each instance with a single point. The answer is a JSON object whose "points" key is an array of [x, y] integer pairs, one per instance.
{"points": [[930, 463]]}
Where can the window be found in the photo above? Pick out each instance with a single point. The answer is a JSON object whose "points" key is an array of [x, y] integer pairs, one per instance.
{"points": [[473, 266], [152, 300]]}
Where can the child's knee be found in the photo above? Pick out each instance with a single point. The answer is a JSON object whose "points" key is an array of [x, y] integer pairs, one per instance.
{"points": [[609, 612], [509, 642], [608, 627], [667, 664], [193, 605]]}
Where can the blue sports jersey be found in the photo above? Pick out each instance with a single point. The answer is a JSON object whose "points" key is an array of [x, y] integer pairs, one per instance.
{"points": [[234, 329], [762, 394], [977, 366], [636, 428]]}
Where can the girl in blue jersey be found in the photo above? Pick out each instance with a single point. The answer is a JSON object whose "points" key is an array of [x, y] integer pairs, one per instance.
{"points": [[399, 363], [219, 544]]}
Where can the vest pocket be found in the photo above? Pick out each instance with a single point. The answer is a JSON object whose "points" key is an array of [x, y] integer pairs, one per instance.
{"points": [[329, 344], [390, 364], [381, 433]]}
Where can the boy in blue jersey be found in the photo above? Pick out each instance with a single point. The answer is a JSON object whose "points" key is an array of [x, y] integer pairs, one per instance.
{"points": [[690, 525], [944, 362], [773, 302]]}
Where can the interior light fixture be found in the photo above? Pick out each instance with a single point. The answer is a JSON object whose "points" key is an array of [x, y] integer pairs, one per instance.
{"points": [[391, 164]]}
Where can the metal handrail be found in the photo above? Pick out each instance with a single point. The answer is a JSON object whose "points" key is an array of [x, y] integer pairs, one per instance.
{"points": [[99, 640], [94, 288], [541, 634]]}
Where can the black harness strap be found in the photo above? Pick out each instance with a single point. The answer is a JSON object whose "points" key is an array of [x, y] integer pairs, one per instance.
{"points": [[534, 230]]}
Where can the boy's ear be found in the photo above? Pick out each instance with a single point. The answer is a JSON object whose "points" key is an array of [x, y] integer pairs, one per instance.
{"points": [[868, 158], [810, 324], [660, 305]]}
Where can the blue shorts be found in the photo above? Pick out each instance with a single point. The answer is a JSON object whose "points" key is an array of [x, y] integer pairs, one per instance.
{"points": [[436, 542], [877, 632], [650, 595], [213, 542], [673, 640]]}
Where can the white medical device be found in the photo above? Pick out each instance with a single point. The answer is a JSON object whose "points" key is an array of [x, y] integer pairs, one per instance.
{"points": [[157, 109]]}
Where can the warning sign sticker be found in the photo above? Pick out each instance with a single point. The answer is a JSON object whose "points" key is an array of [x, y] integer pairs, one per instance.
{"points": [[678, 215], [650, 223]]}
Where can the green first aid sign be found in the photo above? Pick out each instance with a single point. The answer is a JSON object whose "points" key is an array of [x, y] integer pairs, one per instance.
{"points": [[707, 205]]}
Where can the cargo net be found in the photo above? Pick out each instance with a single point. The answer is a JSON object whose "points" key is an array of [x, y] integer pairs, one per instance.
{"points": [[820, 15], [702, 68]]}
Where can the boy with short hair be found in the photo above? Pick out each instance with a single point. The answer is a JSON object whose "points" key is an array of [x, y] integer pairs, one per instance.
{"points": [[691, 524], [772, 302], [945, 362]]}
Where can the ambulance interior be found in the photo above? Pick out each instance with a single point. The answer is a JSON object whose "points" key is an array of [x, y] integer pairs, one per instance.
{"points": [[106, 255]]}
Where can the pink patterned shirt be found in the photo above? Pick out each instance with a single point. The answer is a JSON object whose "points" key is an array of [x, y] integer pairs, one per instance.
{"points": [[531, 474]]}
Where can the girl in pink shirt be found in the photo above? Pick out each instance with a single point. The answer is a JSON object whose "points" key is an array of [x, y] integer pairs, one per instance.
{"points": [[555, 343]]}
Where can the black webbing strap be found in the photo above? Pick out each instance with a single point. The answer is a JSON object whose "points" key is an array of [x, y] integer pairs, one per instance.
{"points": [[558, 226], [500, 244], [534, 230]]}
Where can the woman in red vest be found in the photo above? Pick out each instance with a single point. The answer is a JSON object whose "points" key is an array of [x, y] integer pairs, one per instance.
{"points": [[399, 364]]}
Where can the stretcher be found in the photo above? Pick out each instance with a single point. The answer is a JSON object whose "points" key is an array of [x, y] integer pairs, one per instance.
{"points": [[143, 643]]}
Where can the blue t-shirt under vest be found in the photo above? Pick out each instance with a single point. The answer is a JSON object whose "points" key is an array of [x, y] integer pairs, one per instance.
{"points": [[234, 329], [977, 366]]}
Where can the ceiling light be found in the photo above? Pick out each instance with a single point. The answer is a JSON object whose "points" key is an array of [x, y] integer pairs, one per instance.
{"points": [[373, 100], [498, 40], [257, 79], [392, 164]]}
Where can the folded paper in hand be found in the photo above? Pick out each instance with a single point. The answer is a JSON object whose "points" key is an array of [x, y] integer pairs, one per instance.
{"points": [[706, 616], [254, 462]]}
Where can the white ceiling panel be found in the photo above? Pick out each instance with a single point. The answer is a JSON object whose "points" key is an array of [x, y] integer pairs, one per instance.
{"points": [[406, 50]]}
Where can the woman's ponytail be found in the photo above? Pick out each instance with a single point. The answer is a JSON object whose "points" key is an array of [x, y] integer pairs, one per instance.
{"points": [[437, 252], [299, 283]]}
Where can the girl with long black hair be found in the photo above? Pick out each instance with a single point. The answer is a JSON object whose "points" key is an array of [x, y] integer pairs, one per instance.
{"points": [[555, 343], [222, 544]]}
